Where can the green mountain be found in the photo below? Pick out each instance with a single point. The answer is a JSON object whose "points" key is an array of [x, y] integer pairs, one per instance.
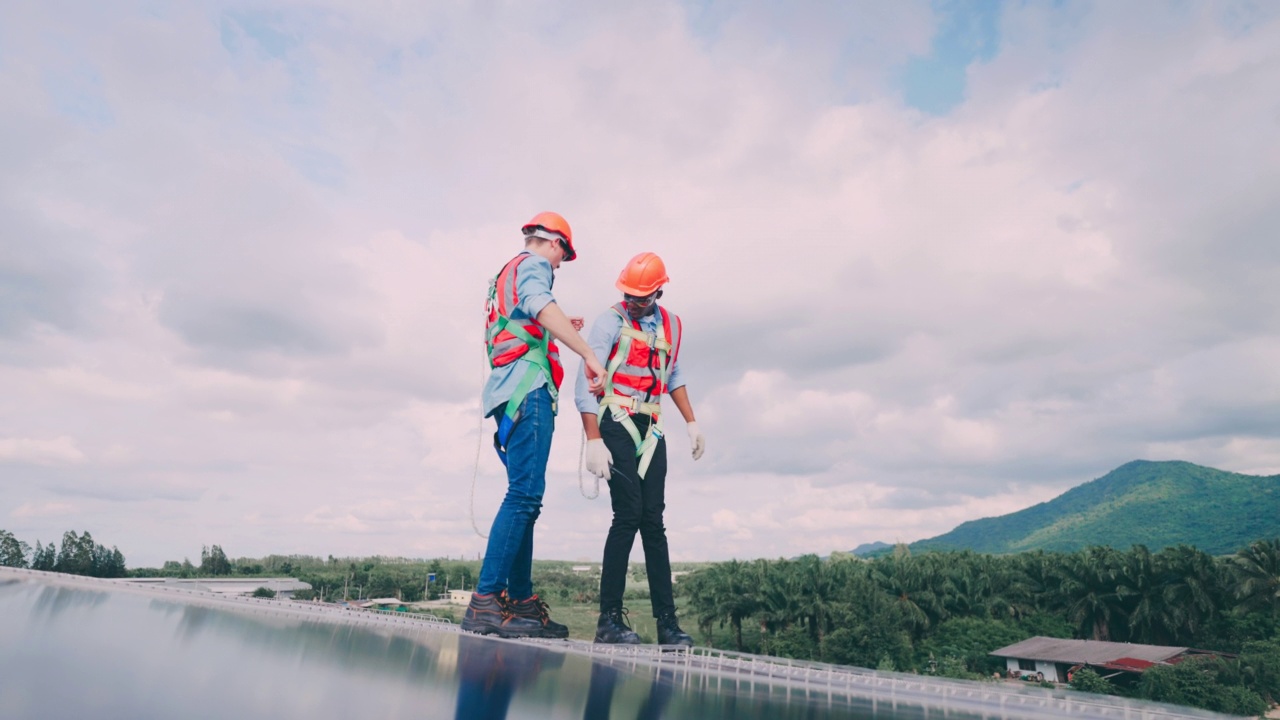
{"points": [[1156, 504], [871, 548]]}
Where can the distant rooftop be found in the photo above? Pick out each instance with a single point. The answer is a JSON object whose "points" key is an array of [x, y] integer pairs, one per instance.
{"points": [[1092, 652]]}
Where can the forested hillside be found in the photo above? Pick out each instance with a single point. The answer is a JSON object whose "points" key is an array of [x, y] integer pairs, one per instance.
{"points": [[1155, 504]]}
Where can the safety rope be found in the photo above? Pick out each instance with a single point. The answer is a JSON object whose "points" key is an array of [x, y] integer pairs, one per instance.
{"points": [[484, 376]]}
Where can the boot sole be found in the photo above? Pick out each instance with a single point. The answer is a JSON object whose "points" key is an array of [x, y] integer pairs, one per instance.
{"points": [[508, 635]]}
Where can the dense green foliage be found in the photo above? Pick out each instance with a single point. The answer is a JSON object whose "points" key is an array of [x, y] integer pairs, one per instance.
{"points": [[79, 555], [1087, 680], [1206, 682], [943, 613], [1156, 504]]}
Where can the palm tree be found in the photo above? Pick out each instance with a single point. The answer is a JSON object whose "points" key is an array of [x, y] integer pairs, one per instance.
{"points": [[815, 585], [725, 593], [1142, 576], [914, 584], [1191, 591], [1257, 576], [1094, 596]]}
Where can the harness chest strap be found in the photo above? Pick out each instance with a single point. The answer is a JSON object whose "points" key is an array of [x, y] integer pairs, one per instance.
{"points": [[656, 341]]}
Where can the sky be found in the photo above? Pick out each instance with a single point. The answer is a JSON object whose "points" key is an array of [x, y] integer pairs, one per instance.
{"points": [[936, 261]]}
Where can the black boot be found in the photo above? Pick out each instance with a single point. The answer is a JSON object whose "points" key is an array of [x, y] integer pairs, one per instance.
{"points": [[669, 632], [535, 608], [612, 628]]}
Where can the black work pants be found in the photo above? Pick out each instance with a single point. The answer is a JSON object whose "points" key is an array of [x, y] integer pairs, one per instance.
{"points": [[637, 506]]}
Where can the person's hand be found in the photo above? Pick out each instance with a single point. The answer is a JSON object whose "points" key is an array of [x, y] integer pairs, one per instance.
{"points": [[696, 441], [595, 375], [577, 322], [599, 459]]}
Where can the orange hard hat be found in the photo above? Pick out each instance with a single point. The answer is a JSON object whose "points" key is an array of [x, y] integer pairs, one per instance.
{"points": [[548, 225], [643, 275]]}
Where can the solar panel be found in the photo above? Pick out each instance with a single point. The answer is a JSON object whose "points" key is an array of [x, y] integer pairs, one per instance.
{"points": [[75, 647]]}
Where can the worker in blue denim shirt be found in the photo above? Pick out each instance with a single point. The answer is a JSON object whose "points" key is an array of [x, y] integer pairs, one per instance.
{"points": [[639, 343], [520, 395]]}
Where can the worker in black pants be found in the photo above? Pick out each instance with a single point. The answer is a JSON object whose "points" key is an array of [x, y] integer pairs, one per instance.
{"points": [[638, 341]]}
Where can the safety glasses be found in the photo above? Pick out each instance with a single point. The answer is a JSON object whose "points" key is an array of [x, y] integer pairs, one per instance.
{"points": [[645, 301]]}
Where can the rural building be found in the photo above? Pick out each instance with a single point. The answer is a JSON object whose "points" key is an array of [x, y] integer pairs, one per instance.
{"points": [[459, 597], [1053, 659]]}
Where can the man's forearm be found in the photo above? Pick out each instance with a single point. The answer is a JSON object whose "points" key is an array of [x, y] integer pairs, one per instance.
{"points": [[680, 397], [591, 426], [558, 324]]}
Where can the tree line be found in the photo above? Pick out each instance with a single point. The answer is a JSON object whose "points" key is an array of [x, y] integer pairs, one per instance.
{"points": [[333, 579], [78, 555], [943, 612]]}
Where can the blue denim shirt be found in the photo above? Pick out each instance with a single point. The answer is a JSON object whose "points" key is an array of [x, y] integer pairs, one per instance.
{"points": [[605, 332], [534, 278]]}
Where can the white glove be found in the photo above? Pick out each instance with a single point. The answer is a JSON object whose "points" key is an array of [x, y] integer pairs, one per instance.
{"points": [[598, 458], [696, 441]]}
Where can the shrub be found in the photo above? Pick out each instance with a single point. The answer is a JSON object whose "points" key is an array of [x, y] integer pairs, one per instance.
{"points": [[1087, 680], [1204, 682]]}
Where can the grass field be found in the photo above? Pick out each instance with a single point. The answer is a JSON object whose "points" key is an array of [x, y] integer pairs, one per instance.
{"points": [[581, 620]]}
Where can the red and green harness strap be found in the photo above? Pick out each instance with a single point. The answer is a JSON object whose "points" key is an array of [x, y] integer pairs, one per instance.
{"points": [[620, 404], [538, 362]]}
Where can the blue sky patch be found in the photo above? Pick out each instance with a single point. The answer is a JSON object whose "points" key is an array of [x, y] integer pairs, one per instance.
{"points": [[76, 91], [319, 166], [262, 29], [967, 32]]}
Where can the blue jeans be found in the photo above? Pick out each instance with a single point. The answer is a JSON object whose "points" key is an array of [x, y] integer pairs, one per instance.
{"points": [[508, 560]]}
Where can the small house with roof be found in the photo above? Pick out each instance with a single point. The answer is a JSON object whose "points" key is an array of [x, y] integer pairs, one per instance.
{"points": [[1055, 659]]}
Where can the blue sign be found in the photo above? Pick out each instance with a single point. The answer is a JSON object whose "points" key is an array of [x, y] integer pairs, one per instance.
{"points": [[431, 577]]}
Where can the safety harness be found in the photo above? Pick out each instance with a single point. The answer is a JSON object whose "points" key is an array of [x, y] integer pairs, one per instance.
{"points": [[509, 340], [632, 376]]}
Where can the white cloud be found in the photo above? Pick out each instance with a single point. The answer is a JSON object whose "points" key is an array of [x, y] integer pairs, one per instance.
{"points": [[43, 510], [58, 451]]}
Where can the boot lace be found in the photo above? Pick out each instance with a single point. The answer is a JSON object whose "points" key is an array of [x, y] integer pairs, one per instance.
{"points": [[620, 616], [536, 603]]}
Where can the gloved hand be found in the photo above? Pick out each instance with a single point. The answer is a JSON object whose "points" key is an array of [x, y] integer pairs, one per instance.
{"points": [[598, 458], [696, 441]]}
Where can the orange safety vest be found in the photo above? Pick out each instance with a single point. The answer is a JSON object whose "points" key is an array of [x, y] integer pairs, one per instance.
{"points": [[637, 373], [642, 373], [508, 340]]}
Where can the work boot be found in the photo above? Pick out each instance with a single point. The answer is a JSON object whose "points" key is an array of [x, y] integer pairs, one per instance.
{"points": [[535, 608], [613, 629], [669, 632], [489, 615]]}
